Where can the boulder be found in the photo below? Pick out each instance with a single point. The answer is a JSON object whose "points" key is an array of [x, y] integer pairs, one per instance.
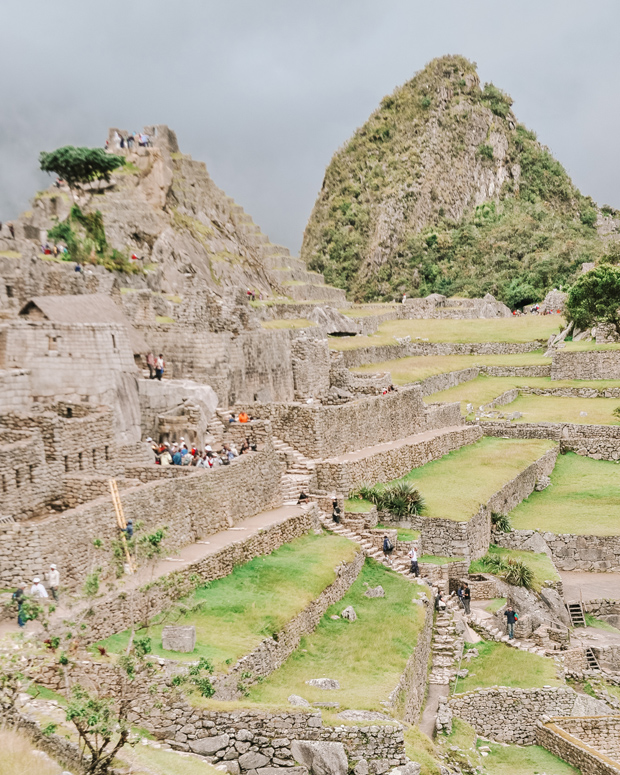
{"points": [[349, 613], [321, 758], [252, 760], [361, 768], [411, 768], [332, 321], [280, 771], [295, 699], [324, 683], [182, 639], [552, 599], [536, 543], [542, 483], [375, 592], [209, 745]]}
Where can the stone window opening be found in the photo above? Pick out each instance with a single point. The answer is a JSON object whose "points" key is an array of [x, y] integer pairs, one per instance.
{"points": [[18, 478], [9, 291], [107, 453], [31, 472], [80, 461], [3, 483], [66, 464], [113, 342], [69, 411], [94, 458], [52, 342]]}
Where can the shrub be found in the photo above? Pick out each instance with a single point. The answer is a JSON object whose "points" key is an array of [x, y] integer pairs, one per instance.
{"points": [[485, 151], [501, 522], [496, 100], [400, 498], [518, 573], [616, 412], [425, 102], [595, 298]]}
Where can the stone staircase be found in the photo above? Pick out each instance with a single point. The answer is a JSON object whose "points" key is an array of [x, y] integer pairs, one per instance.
{"points": [[487, 627], [298, 474], [447, 646]]}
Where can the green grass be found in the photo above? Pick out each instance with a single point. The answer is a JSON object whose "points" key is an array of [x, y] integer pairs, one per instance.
{"points": [[542, 567], [495, 604], [348, 652], [600, 624], [10, 254], [584, 499], [419, 748], [234, 614], [147, 760], [527, 760], [590, 346], [43, 693], [484, 389], [164, 319], [501, 665], [403, 533], [513, 330], [435, 559], [286, 323], [448, 487], [565, 409], [358, 505], [419, 367]]}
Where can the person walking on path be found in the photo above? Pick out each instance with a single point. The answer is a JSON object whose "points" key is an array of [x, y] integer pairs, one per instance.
{"points": [[54, 581], [459, 594], [511, 617], [466, 599], [388, 548], [150, 362], [19, 597], [160, 365], [413, 556]]}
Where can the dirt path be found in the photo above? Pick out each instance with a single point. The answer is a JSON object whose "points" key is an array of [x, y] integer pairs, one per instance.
{"points": [[590, 585]]}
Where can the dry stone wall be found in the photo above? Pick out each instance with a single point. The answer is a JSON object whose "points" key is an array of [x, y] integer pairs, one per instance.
{"points": [[586, 364], [410, 692], [582, 742], [570, 552], [511, 715], [195, 505], [15, 393], [27, 483]]}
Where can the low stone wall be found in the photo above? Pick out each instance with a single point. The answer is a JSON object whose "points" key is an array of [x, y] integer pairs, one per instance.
{"points": [[274, 651], [411, 689], [601, 442], [585, 364], [583, 742], [449, 379], [61, 750], [511, 715], [507, 397], [117, 611], [387, 352], [383, 465], [517, 371], [572, 392], [571, 552]]}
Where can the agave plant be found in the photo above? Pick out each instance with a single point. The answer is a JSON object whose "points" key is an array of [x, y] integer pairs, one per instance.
{"points": [[518, 573], [403, 499], [368, 493], [501, 522]]}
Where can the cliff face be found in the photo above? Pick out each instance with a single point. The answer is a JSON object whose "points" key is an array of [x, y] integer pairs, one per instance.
{"points": [[442, 190]]}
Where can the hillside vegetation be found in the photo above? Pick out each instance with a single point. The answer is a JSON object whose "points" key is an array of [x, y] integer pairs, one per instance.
{"points": [[442, 190]]}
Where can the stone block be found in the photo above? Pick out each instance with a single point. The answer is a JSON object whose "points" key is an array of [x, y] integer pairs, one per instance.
{"points": [[209, 745], [253, 760], [321, 758], [181, 639]]}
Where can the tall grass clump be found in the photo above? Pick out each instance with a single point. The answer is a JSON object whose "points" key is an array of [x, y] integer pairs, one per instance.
{"points": [[399, 498]]}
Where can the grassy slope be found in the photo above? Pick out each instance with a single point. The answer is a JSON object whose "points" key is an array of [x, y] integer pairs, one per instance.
{"points": [[517, 248], [347, 651], [483, 389], [500, 665], [542, 567], [559, 409], [449, 489], [584, 499], [529, 760], [511, 330], [418, 367], [232, 615], [18, 756]]}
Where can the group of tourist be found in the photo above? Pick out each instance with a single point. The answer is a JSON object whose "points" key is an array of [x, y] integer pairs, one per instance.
{"points": [[38, 591], [140, 138], [156, 366], [182, 454]]}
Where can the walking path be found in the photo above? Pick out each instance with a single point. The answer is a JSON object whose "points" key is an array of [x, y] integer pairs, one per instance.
{"points": [[591, 586]]}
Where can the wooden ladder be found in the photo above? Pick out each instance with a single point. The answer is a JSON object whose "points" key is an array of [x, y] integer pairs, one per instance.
{"points": [[577, 616], [120, 518], [591, 660]]}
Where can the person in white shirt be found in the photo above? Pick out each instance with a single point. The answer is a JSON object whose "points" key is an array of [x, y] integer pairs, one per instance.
{"points": [[54, 581], [37, 589], [413, 556]]}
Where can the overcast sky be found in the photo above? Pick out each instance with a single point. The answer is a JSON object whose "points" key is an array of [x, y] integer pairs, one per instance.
{"points": [[265, 91]]}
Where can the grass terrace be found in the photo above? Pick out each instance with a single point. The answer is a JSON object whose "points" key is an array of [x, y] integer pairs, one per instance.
{"points": [[519, 760], [584, 499], [234, 614], [599, 411], [512, 330], [448, 487], [590, 346], [418, 367], [347, 651], [500, 665], [541, 566], [483, 389]]}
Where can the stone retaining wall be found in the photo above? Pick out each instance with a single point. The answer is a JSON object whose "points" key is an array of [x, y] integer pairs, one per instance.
{"points": [[273, 652], [117, 611], [571, 552], [192, 506], [387, 352], [384, 465], [511, 715], [582, 742], [449, 379], [585, 364]]}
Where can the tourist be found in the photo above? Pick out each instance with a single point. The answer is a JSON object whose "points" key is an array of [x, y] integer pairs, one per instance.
{"points": [[466, 598], [243, 417], [160, 365], [37, 589], [245, 447], [128, 530], [303, 498], [177, 458], [511, 617], [335, 510], [150, 362], [388, 548], [130, 141], [19, 597], [54, 581], [440, 603], [413, 557], [459, 594], [165, 458]]}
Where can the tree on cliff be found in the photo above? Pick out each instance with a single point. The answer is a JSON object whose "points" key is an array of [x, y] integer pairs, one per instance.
{"points": [[80, 165], [595, 298]]}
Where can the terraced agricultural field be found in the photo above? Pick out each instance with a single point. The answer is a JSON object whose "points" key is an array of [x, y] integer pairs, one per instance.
{"points": [[518, 329], [598, 411], [584, 499], [418, 367]]}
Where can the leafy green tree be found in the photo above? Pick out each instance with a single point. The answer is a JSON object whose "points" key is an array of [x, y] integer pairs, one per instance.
{"points": [[595, 298], [80, 165], [102, 726]]}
